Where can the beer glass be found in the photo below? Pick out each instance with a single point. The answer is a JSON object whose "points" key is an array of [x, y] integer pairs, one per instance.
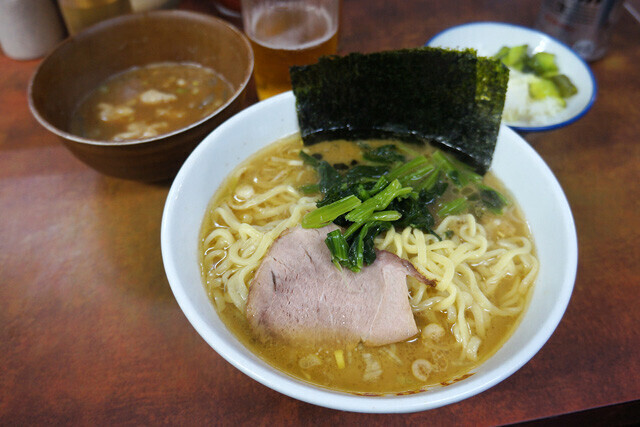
{"points": [[80, 14], [285, 33]]}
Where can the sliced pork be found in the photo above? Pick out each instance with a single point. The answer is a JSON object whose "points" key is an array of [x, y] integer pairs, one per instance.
{"points": [[300, 297]]}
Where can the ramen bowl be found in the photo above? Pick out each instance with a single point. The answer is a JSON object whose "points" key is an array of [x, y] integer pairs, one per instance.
{"points": [[82, 62], [523, 172]]}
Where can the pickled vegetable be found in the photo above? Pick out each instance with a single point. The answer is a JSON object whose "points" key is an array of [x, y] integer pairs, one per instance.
{"points": [[542, 64]]}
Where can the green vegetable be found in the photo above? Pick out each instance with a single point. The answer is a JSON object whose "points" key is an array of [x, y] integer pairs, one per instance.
{"points": [[365, 173], [502, 52], [367, 235], [309, 189], [542, 88], [453, 207], [430, 182], [403, 170], [515, 57], [564, 85], [542, 64], [418, 174], [327, 173], [378, 202], [415, 211], [385, 154], [492, 200], [377, 216], [368, 199], [360, 251], [339, 248], [327, 214], [450, 98], [385, 216]]}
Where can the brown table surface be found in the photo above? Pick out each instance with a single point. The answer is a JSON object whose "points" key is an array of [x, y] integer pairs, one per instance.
{"points": [[91, 333]]}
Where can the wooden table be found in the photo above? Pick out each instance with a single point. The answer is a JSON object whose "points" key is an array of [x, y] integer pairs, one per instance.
{"points": [[90, 332]]}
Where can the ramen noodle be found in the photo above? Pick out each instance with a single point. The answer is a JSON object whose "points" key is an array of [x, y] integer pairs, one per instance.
{"points": [[484, 267]]}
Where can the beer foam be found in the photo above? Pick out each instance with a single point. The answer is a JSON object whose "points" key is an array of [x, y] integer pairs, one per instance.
{"points": [[272, 26]]}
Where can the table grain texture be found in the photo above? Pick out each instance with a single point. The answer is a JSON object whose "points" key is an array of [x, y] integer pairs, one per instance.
{"points": [[90, 333]]}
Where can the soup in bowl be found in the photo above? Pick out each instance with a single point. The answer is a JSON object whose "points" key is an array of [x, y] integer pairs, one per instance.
{"points": [[133, 95], [218, 177]]}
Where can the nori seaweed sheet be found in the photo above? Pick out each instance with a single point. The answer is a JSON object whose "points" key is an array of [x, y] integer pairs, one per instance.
{"points": [[451, 98]]}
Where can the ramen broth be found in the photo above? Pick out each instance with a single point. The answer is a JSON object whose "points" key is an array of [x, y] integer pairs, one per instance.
{"points": [[145, 102], [441, 359]]}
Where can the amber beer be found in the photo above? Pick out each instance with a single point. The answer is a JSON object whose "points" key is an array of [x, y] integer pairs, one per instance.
{"points": [[80, 14], [286, 33]]}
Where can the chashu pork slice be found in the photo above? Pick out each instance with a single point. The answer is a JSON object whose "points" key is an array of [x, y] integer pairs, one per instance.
{"points": [[299, 296]]}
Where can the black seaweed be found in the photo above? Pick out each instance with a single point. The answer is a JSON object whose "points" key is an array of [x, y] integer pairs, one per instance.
{"points": [[451, 98]]}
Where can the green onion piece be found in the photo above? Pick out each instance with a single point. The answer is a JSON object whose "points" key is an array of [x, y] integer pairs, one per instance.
{"points": [[326, 214], [452, 207]]}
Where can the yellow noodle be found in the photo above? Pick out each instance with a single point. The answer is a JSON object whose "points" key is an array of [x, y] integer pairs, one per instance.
{"points": [[472, 273], [450, 262]]}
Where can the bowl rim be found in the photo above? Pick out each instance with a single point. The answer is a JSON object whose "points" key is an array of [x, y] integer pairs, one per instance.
{"points": [[105, 26], [257, 369], [533, 31]]}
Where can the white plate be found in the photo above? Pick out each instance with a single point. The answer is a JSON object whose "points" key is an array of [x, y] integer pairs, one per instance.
{"points": [[515, 162], [488, 37]]}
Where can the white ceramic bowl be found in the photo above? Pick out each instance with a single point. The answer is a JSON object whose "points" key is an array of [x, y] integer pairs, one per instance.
{"points": [[488, 37], [515, 162]]}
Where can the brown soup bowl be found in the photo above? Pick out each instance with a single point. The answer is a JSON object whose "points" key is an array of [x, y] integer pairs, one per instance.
{"points": [[82, 62]]}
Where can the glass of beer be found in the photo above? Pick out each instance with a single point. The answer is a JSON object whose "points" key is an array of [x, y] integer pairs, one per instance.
{"points": [[285, 33], [80, 14]]}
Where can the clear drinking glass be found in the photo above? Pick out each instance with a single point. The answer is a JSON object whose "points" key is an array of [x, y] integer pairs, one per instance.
{"points": [[285, 33], [80, 14]]}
